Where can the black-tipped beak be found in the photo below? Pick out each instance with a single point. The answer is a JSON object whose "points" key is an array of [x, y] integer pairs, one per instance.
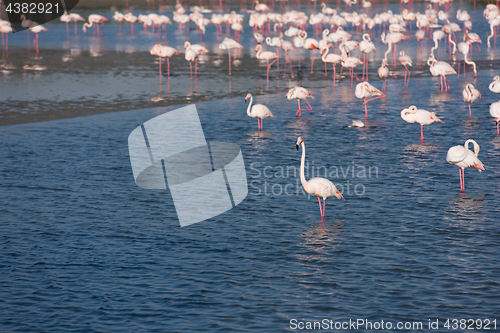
{"points": [[297, 147], [245, 100]]}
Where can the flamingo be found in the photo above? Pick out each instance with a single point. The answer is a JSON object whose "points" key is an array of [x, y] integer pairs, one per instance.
{"points": [[75, 18], [191, 55], [258, 111], [405, 60], [229, 44], [392, 38], [365, 90], [94, 19], [130, 18], [119, 17], [422, 117], [495, 113], [366, 46], [470, 95], [495, 85], [383, 72], [287, 46], [349, 62], [276, 41], [258, 38], [442, 69], [267, 55], [357, 123], [66, 19], [420, 35], [437, 35], [6, 29], [164, 52], [299, 93], [493, 24], [462, 157], [331, 58], [309, 44], [463, 47], [196, 48], [36, 30], [317, 186]]}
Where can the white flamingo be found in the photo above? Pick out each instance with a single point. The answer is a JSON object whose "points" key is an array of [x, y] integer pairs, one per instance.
{"points": [[495, 113], [422, 117], [229, 44], [300, 93], [470, 94], [365, 90], [495, 85], [258, 111], [463, 158]]}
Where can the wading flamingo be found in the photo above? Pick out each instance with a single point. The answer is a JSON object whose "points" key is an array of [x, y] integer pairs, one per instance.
{"points": [[495, 113], [495, 85], [405, 60], [470, 95], [191, 55], [317, 186], [258, 111], [36, 30], [229, 44], [349, 62], [463, 158], [299, 93], [442, 69], [309, 44], [383, 72], [164, 52], [331, 58], [267, 55], [366, 46], [392, 38], [422, 117], [94, 20], [365, 90]]}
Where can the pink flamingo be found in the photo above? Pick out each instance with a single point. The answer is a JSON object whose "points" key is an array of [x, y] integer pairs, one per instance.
{"points": [[309, 44], [405, 60], [392, 38], [383, 72], [229, 44], [75, 18], [258, 111], [331, 58], [366, 46], [267, 55], [442, 69], [130, 18], [495, 113], [471, 94], [287, 46], [299, 93], [365, 90], [462, 157], [36, 30], [422, 117], [164, 52], [94, 20], [317, 186]]}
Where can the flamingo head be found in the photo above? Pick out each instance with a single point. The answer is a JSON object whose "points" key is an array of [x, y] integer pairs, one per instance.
{"points": [[247, 97], [384, 63], [496, 78], [339, 195], [187, 44], [299, 141]]}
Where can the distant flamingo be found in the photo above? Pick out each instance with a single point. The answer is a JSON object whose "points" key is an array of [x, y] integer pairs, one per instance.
{"points": [[164, 52], [366, 46], [258, 111], [495, 85], [317, 186], [66, 19], [130, 18], [383, 72], [405, 60], [495, 113], [196, 48], [442, 69], [75, 18], [420, 35], [299, 93], [309, 44], [365, 90], [94, 20], [331, 58], [267, 55], [36, 30], [470, 94], [5, 30], [462, 157], [349, 62], [229, 44], [392, 38], [191, 55], [287, 46], [422, 117]]}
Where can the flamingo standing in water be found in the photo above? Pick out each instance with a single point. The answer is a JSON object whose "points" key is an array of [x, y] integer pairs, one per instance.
{"points": [[287, 46], [365, 90], [462, 157], [299, 93], [366, 46], [437, 35], [405, 60], [331, 58], [493, 24], [495, 113], [229, 44], [191, 55], [94, 20], [383, 72], [349, 62], [495, 85], [66, 19], [258, 111], [309, 44], [317, 186], [36, 30], [75, 18], [164, 52], [5, 30], [470, 94], [130, 18], [392, 38], [442, 69], [267, 55], [420, 35], [422, 117], [196, 48]]}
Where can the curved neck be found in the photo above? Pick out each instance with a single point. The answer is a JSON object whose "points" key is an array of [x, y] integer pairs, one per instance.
{"points": [[466, 146], [388, 50], [468, 62], [259, 47], [302, 162], [323, 57], [250, 106], [452, 42]]}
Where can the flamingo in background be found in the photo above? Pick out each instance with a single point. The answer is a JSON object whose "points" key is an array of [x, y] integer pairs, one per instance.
{"points": [[470, 94], [462, 157], [5, 30], [420, 35], [383, 72], [287, 46], [495, 113], [191, 55], [442, 69], [300, 93], [392, 38], [365, 90], [130, 18], [422, 117], [229, 44], [75, 18], [258, 111], [495, 85], [66, 19], [36, 30], [317, 186], [196, 48], [164, 52], [405, 60], [331, 58], [94, 20], [366, 46], [267, 55], [309, 44]]}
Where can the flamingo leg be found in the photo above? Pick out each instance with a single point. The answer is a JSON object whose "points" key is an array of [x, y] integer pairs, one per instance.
{"points": [[191, 69], [498, 130], [324, 207], [460, 174], [470, 113], [463, 179], [160, 72], [312, 60], [334, 74], [320, 210], [422, 133], [229, 54], [366, 109]]}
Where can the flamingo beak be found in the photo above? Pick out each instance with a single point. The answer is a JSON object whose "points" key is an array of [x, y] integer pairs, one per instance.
{"points": [[340, 194], [297, 147]]}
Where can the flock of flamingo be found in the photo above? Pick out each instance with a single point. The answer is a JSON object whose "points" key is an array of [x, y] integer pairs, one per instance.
{"points": [[392, 29]]}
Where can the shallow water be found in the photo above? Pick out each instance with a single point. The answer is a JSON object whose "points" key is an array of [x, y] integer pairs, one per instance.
{"points": [[84, 249]]}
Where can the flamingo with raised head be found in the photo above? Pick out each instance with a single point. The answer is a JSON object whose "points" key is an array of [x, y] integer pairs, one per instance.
{"points": [[331, 58], [383, 72], [471, 94], [365, 90], [229, 44], [405, 60], [317, 186], [442, 69], [309, 44], [366, 46], [495, 113], [266, 55], [300, 93], [422, 117], [258, 111], [463, 157], [36, 30]]}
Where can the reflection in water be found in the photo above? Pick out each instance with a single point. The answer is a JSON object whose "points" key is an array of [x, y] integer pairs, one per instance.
{"points": [[322, 238], [466, 208]]}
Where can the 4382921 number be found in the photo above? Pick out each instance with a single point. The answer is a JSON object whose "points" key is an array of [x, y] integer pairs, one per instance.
{"points": [[471, 324], [32, 8]]}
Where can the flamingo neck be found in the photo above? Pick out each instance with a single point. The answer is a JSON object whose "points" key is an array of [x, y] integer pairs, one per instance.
{"points": [[302, 162], [249, 113], [388, 50], [323, 57]]}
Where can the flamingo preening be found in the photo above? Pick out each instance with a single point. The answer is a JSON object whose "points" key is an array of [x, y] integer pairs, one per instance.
{"points": [[462, 157], [470, 94], [317, 186], [365, 90], [422, 117], [300, 93]]}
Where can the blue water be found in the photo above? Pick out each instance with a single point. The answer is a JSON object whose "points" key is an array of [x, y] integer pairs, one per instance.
{"points": [[83, 249]]}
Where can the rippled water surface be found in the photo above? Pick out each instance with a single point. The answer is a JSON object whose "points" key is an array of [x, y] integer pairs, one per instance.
{"points": [[82, 248]]}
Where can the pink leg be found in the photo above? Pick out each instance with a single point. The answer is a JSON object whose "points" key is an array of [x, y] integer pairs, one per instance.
{"points": [[160, 72], [470, 113], [498, 130], [366, 109], [422, 133], [463, 179], [312, 60], [229, 54], [191, 69], [460, 174], [324, 207], [320, 210], [334, 74]]}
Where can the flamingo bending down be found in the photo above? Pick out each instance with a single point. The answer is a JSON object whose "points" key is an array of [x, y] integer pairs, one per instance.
{"points": [[94, 19], [422, 117], [462, 157], [392, 38], [495, 85], [191, 55], [365, 90], [36, 30], [164, 52], [229, 44], [196, 48], [470, 95], [258, 111], [495, 113], [75, 18], [383, 72], [442, 69], [299, 93], [405, 60], [317, 186], [330, 58], [437, 35], [267, 55]]}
